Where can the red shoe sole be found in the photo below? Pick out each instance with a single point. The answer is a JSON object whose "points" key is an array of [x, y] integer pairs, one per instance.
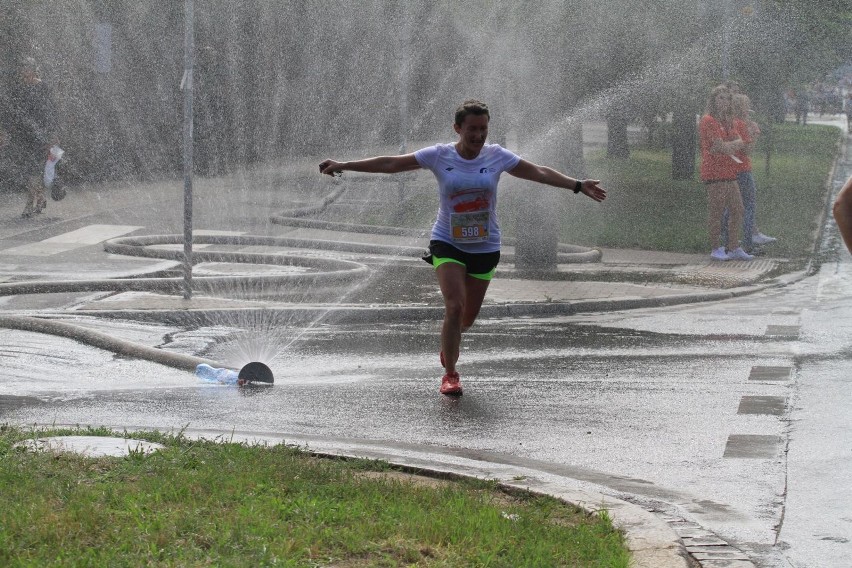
{"points": [[450, 389]]}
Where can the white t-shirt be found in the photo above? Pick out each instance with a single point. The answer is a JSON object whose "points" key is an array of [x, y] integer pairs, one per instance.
{"points": [[467, 213]]}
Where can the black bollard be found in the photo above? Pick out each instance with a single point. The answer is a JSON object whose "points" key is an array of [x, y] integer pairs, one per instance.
{"points": [[256, 372], [537, 241]]}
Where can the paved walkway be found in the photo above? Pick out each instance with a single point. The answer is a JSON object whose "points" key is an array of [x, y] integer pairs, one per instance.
{"points": [[67, 244]]}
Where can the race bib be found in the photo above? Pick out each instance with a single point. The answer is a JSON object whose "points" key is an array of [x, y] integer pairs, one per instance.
{"points": [[470, 227]]}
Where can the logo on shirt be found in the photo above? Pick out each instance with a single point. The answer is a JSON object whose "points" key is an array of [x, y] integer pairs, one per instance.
{"points": [[470, 199], [451, 168]]}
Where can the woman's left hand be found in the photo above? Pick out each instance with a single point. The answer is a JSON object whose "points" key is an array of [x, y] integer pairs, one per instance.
{"points": [[592, 188]]}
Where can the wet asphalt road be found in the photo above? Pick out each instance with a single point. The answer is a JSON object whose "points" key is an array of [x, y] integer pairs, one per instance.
{"points": [[733, 414]]}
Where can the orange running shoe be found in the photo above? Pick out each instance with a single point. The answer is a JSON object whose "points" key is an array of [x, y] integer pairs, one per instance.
{"points": [[451, 385]]}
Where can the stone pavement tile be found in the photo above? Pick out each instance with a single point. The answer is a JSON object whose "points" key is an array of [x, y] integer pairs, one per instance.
{"points": [[92, 446], [724, 552], [697, 532], [705, 562], [724, 274], [699, 541], [650, 257]]}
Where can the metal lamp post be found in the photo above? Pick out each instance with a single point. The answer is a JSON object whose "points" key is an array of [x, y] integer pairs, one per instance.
{"points": [[189, 55]]}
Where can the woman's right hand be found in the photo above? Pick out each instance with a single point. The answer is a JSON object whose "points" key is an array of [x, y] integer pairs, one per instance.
{"points": [[330, 167], [737, 145]]}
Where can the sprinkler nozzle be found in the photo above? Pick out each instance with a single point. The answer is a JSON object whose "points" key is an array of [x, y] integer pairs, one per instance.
{"points": [[255, 372]]}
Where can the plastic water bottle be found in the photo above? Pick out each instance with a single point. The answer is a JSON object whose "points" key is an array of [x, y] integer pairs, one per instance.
{"points": [[216, 375]]}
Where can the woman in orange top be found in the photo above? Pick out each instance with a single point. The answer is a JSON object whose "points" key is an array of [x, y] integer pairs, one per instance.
{"points": [[749, 131], [719, 144]]}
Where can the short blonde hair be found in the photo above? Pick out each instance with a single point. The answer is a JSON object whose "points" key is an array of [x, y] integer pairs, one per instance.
{"points": [[712, 108]]}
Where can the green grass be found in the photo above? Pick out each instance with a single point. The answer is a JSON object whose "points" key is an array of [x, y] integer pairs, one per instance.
{"points": [[213, 503], [646, 209]]}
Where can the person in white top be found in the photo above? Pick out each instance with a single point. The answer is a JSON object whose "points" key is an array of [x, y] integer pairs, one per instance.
{"points": [[465, 242]]}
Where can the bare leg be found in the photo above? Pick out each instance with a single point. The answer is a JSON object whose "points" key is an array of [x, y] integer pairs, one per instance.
{"points": [[29, 206], [475, 293], [721, 195], [35, 195], [715, 208], [463, 296], [734, 203]]}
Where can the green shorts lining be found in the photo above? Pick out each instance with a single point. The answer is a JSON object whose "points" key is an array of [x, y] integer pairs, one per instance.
{"points": [[436, 262]]}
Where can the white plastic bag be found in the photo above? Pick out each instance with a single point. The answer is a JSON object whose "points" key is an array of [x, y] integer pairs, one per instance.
{"points": [[53, 158]]}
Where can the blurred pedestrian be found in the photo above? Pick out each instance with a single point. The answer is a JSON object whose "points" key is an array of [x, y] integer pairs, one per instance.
{"points": [[789, 102], [465, 240], [719, 144], [847, 108], [803, 106], [749, 130], [29, 125]]}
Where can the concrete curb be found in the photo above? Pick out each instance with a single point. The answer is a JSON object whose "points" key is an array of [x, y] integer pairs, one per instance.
{"points": [[398, 313], [175, 284], [651, 541], [328, 270], [566, 253], [135, 246], [305, 314]]}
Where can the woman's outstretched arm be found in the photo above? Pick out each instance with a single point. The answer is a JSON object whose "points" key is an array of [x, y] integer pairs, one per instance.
{"points": [[377, 165], [543, 174]]}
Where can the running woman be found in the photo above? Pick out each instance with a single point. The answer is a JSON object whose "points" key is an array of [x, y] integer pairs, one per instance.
{"points": [[465, 242]]}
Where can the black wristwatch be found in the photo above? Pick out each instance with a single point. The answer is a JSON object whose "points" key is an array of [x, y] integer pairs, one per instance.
{"points": [[578, 185]]}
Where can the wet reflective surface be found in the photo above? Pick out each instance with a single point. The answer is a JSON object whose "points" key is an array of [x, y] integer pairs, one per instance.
{"points": [[648, 404]]}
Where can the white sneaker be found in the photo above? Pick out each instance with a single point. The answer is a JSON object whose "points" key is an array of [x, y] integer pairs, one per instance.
{"points": [[719, 254], [761, 239], [739, 254]]}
